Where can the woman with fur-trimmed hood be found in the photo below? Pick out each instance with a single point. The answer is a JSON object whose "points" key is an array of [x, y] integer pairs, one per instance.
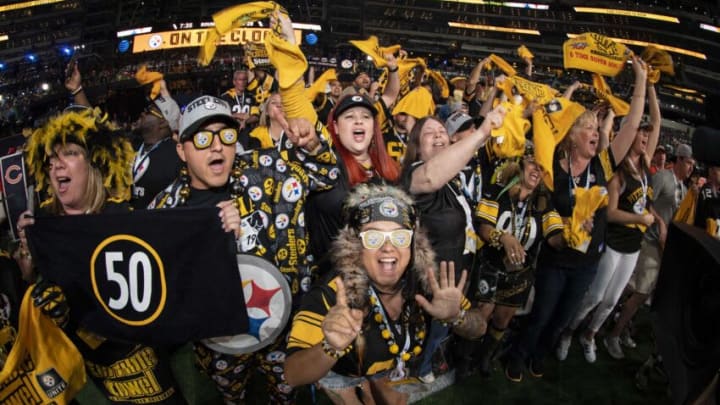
{"points": [[364, 326]]}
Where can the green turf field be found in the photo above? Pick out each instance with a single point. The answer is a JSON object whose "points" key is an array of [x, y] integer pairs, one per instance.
{"points": [[573, 381]]}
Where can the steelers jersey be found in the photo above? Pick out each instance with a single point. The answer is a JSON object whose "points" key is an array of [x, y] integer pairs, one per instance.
{"points": [[522, 219], [707, 211], [395, 143], [636, 199], [306, 332], [241, 102], [261, 91]]}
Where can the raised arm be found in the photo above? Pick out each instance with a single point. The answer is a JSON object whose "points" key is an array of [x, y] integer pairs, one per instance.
{"points": [[340, 327], [606, 128], [626, 135], [441, 168], [73, 83], [655, 120], [392, 87]]}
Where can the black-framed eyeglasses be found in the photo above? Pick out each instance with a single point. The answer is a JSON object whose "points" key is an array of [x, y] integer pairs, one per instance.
{"points": [[203, 139]]}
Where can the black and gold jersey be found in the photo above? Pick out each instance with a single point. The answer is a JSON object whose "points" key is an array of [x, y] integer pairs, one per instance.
{"points": [[307, 332], [241, 102], [523, 219], [707, 211], [635, 197]]}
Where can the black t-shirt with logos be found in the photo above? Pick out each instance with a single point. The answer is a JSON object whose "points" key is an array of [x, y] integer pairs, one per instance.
{"points": [[153, 170], [442, 216]]}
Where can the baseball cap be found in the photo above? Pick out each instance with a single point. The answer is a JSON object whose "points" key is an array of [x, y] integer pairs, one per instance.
{"points": [[356, 100], [458, 121], [684, 151], [202, 110]]}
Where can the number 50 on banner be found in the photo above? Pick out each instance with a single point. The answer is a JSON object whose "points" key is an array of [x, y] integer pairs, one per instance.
{"points": [[128, 279]]}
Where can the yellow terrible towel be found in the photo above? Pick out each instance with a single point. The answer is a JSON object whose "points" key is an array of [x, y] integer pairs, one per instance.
{"points": [[587, 202], [144, 76]]}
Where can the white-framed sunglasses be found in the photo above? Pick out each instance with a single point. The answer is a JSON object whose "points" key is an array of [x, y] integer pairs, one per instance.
{"points": [[374, 239]]}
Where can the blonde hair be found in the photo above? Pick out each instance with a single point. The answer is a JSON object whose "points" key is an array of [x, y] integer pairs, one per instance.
{"points": [[94, 195], [264, 120], [566, 144]]}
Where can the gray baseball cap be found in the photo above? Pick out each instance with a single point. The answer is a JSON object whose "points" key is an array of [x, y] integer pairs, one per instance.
{"points": [[202, 110]]}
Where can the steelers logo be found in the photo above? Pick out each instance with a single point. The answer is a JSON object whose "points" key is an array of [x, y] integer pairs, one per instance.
{"points": [[222, 381], [483, 287], [221, 365], [48, 380], [305, 284], [301, 219], [282, 221], [210, 105], [389, 209], [346, 64], [267, 300], [333, 174], [265, 160], [280, 165], [255, 193], [275, 357], [243, 180], [288, 144], [357, 99], [311, 166], [155, 41], [292, 190]]}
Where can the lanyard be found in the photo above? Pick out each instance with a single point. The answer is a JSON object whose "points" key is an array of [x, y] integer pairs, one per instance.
{"points": [[239, 102], [518, 221], [679, 194], [140, 159], [572, 186], [406, 346]]}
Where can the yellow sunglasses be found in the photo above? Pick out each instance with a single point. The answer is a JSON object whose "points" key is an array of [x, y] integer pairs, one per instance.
{"points": [[203, 139]]}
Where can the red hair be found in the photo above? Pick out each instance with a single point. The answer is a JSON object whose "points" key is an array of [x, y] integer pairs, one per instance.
{"points": [[387, 168]]}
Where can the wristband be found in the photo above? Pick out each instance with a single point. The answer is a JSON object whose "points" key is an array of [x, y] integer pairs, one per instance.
{"points": [[393, 70], [76, 91], [333, 352], [495, 236], [458, 319]]}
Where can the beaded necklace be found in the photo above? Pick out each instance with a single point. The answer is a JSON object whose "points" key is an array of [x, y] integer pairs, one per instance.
{"points": [[404, 355], [236, 187]]}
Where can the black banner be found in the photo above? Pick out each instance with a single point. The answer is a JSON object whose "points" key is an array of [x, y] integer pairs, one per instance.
{"points": [[155, 277], [14, 187]]}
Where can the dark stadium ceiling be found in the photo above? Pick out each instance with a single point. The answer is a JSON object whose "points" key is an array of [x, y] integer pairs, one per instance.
{"points": [[421, 26]]}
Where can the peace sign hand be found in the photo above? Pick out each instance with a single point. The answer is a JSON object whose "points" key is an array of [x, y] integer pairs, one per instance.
{"points": [[341, 324]]}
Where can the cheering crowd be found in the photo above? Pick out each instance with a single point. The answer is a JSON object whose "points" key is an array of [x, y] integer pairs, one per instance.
{"points": [[403, 211]]}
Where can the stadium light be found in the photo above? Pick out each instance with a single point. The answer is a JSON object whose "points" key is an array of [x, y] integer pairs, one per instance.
{"points": [[492, 28]]}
